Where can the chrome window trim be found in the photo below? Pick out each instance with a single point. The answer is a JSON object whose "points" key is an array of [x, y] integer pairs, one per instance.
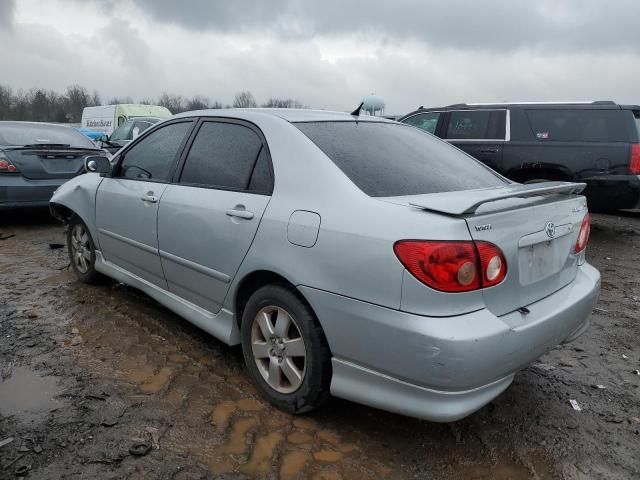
{"points": [[423, 113], [507, 126]]}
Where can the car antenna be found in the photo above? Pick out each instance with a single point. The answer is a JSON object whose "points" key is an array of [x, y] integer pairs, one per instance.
{"points": [[356, 112]]}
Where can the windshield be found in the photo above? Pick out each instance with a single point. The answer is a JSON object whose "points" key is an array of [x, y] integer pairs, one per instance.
{"points": [[19, 134], [387, 159], [130, 129]]}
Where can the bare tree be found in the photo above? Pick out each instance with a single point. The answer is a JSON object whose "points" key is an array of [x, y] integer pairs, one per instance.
{"points": [[244, 100], [42, 105], [282, 103], [120, 100], [77, 98], [198, 103], [95, 99], [175, 103]]}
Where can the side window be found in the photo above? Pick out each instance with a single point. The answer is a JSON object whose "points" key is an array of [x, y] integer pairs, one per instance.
{"points": [[262, 178], [579, 125], [222, 155], [152, 158], [476, 125], [424, 121]]}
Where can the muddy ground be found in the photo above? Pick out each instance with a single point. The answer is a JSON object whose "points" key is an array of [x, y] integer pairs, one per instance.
{"points": [[93, 377]]}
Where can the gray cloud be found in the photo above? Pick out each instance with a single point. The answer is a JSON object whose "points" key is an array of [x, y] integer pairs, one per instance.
{"points": [[496, 25], [6, 12], [327, 54]]}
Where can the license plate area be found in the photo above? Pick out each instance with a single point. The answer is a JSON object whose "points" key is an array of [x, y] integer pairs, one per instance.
{"points": [[541, 260]]}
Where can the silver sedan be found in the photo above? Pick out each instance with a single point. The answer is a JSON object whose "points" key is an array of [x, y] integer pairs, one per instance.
{"points": [[348, 255]]}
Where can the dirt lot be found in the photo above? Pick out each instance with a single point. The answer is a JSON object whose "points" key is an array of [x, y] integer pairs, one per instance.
{"points": [[93, 377]]}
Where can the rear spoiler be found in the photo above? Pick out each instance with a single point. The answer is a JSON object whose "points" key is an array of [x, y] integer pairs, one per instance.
{"points": [[467, 201]]}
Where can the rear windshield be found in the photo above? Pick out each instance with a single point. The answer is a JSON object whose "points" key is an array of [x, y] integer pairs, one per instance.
{"points": [[386, 159], [20, 134], [579, 125]]}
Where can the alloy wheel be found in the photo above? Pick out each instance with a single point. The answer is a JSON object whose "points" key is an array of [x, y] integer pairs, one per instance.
{"points": [[278, 349], [80, 248]]}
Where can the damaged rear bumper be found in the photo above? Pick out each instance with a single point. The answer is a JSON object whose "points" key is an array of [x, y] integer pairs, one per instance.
{"points": [[443, 368]]}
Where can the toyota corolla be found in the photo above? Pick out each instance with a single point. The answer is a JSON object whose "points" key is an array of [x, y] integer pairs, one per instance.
{"points": [[347, 255]]}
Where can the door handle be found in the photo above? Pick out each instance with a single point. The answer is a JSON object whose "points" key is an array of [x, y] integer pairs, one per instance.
{"points": [[149, 197], [489, 150], [240, 213]]}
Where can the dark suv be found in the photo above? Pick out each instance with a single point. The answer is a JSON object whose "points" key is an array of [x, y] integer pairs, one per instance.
{"points": [[596, 143]]}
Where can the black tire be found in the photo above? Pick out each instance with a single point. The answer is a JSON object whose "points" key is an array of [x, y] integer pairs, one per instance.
{"points": [[313, 390], [90, 276]]}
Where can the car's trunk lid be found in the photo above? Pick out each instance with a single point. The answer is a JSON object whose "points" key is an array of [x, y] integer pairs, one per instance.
{"points": [[536, 227], [40, 163]]}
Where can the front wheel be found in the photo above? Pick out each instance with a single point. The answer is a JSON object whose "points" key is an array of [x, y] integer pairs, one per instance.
{"points": [[82, 251], [285, 350]]}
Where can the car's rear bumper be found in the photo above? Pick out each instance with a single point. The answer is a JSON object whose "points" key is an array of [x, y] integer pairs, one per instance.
{"points": [[613, 192], [443, 368], [17, 191]]}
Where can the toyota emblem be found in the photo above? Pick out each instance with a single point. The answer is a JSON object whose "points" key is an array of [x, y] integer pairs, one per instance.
{"points": [[550, 229]]}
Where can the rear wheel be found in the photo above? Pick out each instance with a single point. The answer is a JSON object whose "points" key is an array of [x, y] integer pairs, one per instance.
{"points": [[82, 251], [285, 350]]}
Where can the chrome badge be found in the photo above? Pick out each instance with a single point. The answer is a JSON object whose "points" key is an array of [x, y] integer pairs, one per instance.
{"points": [[550, 229]]}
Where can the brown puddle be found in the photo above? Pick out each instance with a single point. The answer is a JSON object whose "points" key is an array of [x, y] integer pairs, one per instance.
{"points": [[28, 395], [530, 466]]}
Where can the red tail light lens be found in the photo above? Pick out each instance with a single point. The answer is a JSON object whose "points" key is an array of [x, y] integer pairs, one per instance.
{"points": [[455, 266], [583, 235], [5, 165], [634, 161], [494, 265]]}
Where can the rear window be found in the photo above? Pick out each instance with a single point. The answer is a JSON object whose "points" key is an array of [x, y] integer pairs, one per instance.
{"points": [[20, 134], [476, 125], [579, 125], [385, 159]]}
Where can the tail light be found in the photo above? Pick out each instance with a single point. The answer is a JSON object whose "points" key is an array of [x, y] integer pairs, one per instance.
{"points": [[583, 235], [453, 266], [6, 166], [634, 161]]}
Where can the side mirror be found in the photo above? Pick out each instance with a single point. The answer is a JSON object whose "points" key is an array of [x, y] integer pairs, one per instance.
{"points": [[103, 138], [97, 164]]}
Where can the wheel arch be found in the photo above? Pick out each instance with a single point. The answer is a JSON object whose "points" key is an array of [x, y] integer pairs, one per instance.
{"points": [[252, 282]]}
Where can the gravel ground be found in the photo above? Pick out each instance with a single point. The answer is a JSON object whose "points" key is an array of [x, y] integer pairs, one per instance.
{"points": [[102, 382]]}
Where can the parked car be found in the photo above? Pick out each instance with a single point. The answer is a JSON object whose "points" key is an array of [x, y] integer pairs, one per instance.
{"points": [[126, 132], [354, 256], [594, 142], [106, 118], [90, 134], [36, 158]]}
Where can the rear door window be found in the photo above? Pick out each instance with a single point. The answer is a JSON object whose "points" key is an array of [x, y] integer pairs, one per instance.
{"points": [[223, 155], [389, 159], [476, 125], [424, 121], [578, 125]]}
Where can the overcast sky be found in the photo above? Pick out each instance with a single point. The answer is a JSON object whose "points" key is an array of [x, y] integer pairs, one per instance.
{"points": [[328, 53]]}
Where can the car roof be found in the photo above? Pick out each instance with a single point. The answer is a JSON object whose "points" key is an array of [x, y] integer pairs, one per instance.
{"points": [[289, 114], [598, 105]]}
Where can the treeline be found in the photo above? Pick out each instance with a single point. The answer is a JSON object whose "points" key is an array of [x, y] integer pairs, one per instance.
{"points": [[40, 105]]}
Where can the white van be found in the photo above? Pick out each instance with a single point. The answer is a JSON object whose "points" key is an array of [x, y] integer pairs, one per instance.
{"points": [[107, 118]]}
